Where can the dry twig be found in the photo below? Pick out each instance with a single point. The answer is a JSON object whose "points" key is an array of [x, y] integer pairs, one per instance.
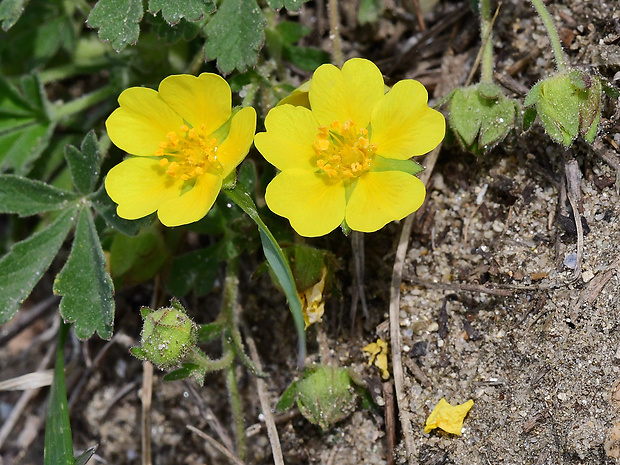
{"points": [[261, 387], [395, 336], [216, 445]]}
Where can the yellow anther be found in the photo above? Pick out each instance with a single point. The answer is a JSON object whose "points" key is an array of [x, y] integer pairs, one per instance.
{"points": [[344, 150], [159, 152], [184, 128], [163, 162]]}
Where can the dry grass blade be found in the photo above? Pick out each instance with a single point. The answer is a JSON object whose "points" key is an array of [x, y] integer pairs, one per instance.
{"points": [[395, 336], [33, 380], [216, 445]]}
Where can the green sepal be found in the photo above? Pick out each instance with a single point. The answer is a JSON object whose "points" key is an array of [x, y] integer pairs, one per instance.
{"points": [[529, 116], [187, 369], [391, 164], [85, 456], [287, 399], [533, 95], [209, 332]]}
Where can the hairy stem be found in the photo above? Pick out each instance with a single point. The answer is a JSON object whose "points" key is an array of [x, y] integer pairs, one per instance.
{"points": [[486, 36], [560, 60], [80, 104], [334, 33]]}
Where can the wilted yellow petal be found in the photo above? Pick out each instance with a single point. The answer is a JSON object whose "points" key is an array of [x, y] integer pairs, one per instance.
{"points": [[378, 355], [447, 417], [313, 304]]}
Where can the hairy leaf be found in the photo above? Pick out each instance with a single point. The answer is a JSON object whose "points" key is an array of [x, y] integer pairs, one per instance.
{"points": [[28, 196], [85, 284], [10, 11], [22, 267], [235, 35], [84, 163], [174, 10], [118, 21]]}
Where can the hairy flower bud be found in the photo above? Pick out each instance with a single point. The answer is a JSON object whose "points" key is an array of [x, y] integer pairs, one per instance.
{"points": [[167, 335]]}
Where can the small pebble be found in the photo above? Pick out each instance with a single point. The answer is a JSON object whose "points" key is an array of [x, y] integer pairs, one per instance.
{"points": [[587, 276], [570, 261]]}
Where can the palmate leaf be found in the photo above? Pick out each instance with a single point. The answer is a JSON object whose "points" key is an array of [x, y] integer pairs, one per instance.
{"points": [[85, 284], [118, 21], [174, 10], [235, 35], [291, 5], [22, 267], [277, 261], [29, 197]]}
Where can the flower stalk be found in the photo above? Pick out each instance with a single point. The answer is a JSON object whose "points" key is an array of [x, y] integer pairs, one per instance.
{"points": [[560, 60]]}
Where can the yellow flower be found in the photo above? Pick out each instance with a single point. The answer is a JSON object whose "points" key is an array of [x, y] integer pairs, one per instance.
{"points": [[346, 158], [185, 143], [378, 354], [447, 417]]}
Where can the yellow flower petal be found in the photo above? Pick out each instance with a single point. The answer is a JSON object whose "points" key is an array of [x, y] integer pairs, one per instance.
{"points": [[299, 97], [378, 355], [288, 142], [194, 204], [402, 123], [447, 417], [237, 144], [350, 93], [140, 186], [381, 197], [199, 100], [313, 206], [142, 121]]}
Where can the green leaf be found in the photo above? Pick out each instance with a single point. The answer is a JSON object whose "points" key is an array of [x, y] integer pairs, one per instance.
{"points": [[58, 443], [10, 11], [174, 10], [25, 128], [288, 398], [307, 58], [235, 35], [118, 21], [22, 267], [391, 164], [208, 332], [529, 116], [106, 207], [85, 456], [138, 258], [291, 5], [85, 284], [370, 11], [194, 270], [84, 163], [29, 197], [187, 370], [277, 261], [291, 32], [183, 30]]}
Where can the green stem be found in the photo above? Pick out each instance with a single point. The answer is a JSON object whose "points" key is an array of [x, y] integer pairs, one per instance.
{"points": [[486, 35], [235, 404], [334, 33], [82, 103], [199, 358], [560, 61], [72, 69]]}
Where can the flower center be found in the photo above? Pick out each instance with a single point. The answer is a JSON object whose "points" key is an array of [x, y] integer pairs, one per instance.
{"points": [[343, 150], [188, 155]]}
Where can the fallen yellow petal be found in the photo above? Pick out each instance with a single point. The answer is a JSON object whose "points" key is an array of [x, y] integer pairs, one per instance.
{"points": [[447, 417], [378, 354]]}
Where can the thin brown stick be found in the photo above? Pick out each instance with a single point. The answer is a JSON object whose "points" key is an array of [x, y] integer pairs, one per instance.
{"points": [[395, 336], [261, 387], [573, 192], [147, 396], [334, 33], [216, 445], [501, 290], [390, 420]]}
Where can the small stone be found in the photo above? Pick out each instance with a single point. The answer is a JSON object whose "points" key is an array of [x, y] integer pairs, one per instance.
{"points": [[433, 327], [587, 276]]}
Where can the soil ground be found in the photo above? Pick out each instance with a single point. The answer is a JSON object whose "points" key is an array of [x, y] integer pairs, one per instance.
{"points": [[494, 305]]}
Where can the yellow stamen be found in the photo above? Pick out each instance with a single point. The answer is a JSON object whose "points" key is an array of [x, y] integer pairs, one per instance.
{"points": [[343, 151], [188, 153]]}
